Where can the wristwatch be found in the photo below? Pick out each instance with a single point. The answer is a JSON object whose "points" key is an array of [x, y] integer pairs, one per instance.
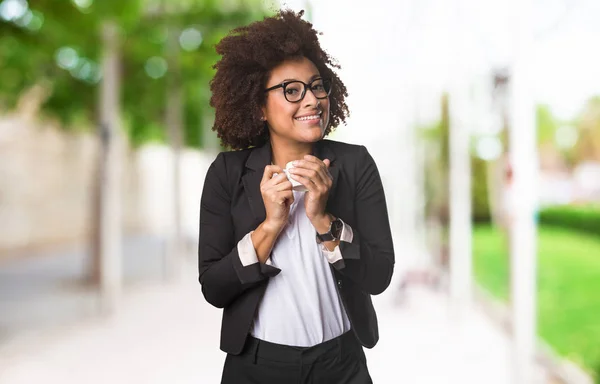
{"points": [[334, 233]]}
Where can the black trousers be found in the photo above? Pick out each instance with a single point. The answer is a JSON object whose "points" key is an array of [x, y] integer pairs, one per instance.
{"points": [[338, 361]]}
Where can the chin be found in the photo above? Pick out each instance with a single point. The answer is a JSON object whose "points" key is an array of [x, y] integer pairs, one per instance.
{"points": [[312, 136]]}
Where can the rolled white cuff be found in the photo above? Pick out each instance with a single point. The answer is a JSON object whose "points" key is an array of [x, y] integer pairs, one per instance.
{"points": [[336, 255], [247, 252]]}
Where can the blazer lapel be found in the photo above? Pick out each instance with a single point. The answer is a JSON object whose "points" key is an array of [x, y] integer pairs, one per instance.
{"points": [[323, 151], [258, 159]]}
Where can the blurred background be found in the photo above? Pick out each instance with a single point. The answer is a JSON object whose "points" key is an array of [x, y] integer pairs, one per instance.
{"points": [[484, 120]]}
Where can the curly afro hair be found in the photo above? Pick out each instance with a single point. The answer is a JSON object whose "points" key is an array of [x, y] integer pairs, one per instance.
{"points": [[249, 53]]}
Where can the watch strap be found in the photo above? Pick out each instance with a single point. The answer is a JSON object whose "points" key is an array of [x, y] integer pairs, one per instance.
{"points": [[329, 235]]}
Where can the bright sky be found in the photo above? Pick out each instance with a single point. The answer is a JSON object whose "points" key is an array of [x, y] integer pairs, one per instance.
{"points": [[416, 36]]}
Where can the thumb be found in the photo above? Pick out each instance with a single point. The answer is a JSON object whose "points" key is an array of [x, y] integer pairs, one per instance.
{"points": [[327, 162]]}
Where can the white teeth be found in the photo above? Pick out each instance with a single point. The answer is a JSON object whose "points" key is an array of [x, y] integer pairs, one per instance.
{"points": [[313, 117]]}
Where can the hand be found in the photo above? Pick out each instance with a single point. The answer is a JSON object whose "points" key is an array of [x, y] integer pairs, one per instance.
{"points": [[277, 196], [314, 175]]}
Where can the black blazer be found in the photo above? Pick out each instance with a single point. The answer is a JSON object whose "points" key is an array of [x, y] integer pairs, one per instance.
{"points": [[232, 206]]}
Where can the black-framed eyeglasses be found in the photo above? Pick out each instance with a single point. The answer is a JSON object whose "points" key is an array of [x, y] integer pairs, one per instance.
{"points": [[295, 90]]}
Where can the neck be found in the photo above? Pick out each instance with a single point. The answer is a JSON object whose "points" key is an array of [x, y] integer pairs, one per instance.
{"points": [[285, 151]]}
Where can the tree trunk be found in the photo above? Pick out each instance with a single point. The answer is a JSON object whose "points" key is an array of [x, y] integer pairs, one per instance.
{"points": [[105, 267], [460, 228], [174, 121]]}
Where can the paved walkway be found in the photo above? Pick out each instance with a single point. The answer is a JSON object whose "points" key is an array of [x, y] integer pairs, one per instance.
{"points": [[167, 333]]}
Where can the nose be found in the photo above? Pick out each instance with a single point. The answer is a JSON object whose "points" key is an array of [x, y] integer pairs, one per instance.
{"points": [[310, 100]]}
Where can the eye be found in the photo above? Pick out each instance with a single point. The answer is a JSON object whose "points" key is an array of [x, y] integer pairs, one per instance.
{"points": [[293, 88], [318, 87]]}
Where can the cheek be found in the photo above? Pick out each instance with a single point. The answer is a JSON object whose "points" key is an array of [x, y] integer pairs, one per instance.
{"points": [[278, 110]]}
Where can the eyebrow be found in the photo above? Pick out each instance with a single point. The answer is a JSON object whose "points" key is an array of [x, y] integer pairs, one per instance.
{"points": [[311, 79]]}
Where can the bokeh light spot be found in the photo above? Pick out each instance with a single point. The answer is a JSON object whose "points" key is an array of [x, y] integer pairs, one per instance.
{"points": [[190, 39], [156, 67]]}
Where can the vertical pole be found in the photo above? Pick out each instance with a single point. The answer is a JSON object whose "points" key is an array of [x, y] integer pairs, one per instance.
{"points": [[523, 157], [460, 203], [109, 227], [174, 121], [460, 183]]}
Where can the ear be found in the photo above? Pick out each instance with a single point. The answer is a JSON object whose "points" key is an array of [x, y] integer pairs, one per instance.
{"points": [[263, 111]]}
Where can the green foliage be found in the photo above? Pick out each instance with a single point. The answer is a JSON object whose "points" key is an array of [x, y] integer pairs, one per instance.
{"points": [[436, 139], [568, 287], [437, 136], [547, 124], [29, 57], [588, 126], [434, 167], [480, 205], [584, 218]]}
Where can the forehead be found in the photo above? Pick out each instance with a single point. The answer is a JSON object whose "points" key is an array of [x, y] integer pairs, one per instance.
{"points": [[297, 69]]}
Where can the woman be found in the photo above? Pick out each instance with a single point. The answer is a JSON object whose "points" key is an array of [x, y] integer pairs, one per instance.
{"points": [[293, 267]]}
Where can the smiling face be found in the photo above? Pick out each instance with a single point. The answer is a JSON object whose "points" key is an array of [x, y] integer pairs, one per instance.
{"points": [[301, 122]]}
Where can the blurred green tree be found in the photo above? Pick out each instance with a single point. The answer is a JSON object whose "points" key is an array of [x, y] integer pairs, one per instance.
{"points": [[547, 124], [437, 179], [587, 147], [162, 54], [57, 44]]}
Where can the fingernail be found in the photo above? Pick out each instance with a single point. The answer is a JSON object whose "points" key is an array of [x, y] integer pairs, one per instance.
{"points": [[295, 163]]}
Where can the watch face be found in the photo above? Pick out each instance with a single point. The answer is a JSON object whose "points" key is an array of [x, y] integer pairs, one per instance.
{"points": [[336, 228]]}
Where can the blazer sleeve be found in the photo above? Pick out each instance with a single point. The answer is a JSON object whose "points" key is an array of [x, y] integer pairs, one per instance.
{"points": [[368, 259], [221, 273]]}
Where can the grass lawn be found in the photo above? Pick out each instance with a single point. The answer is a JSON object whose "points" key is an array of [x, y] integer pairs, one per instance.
{"points": [[568, 287]]}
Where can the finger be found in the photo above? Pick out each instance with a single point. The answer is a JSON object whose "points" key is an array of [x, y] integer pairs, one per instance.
{"points": [[269, 171], [279, 182], [285, 186], [312, 159], [319, 176], [275, 179], [307, 182], [326, 172], [273, 190], [284, 196], [278, 178], [323, 165], [312, 163]]}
